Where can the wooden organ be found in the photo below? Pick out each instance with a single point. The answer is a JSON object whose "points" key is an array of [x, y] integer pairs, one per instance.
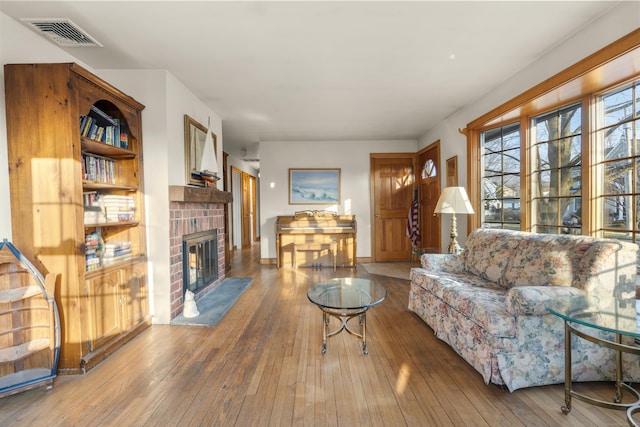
{"points": [[316, 239]]}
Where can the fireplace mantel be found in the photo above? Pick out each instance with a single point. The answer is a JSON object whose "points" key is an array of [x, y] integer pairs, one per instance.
{"points": [[185, 194]]}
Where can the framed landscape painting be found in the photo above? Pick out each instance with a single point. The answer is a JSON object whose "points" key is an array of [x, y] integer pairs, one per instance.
{"points": [[314, 186]]}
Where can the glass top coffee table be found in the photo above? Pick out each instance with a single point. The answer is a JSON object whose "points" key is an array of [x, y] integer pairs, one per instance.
{"points": [[586, 317], [346, 298]]}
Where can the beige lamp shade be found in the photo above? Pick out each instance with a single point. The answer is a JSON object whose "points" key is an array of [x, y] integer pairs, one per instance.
{"points": [[454, 200]]}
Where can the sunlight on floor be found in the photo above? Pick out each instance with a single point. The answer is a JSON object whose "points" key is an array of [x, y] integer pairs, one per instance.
{"points": [[403, 378]]}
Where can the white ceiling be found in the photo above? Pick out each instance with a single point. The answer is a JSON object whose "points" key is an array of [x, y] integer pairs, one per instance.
{"points": [[290, 71]]}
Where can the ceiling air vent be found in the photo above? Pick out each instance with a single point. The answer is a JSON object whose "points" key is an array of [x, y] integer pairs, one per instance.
{"points": [[62, 31]]}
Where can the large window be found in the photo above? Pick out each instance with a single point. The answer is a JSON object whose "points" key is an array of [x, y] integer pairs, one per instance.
{"points": [[501, 177], [556, 175], [564, 156], [618, 132]]}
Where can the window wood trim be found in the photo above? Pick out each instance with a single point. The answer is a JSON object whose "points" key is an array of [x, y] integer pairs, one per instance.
{"points": [[608, 67]]}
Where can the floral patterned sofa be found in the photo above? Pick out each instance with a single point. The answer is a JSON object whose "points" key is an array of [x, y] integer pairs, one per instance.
{"points": [[488, 303]]}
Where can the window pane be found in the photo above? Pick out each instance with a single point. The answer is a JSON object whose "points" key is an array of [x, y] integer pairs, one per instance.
{"points": [[616, 212], [511, 160], [570, 121], [554, 182], [545, 127], [541, 153], [547, 210], [492, 146], [637, 90], [493, 164], [570, 151], [571, 181], [620, 235], [618, 177], [512, 137], [618, 141], [494, 226], [542, 180], [637, 215], [491, 187], [572, 217], [515, 227], [511, 210], [511, 185], [429, 169], [617, 106], [492, 210], [636, 138]]}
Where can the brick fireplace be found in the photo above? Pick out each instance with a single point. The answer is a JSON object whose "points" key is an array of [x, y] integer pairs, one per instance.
{"points": [[194, 210]]}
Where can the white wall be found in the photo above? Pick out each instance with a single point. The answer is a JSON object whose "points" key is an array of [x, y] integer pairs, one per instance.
{"points": [[166, 102], [352, 157], [619, 22]]}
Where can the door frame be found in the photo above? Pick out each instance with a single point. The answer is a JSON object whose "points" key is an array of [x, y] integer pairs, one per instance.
{"points": [[418, 176]]}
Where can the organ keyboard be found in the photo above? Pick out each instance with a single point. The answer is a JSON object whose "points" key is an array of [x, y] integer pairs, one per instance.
{"points": [[311, 237]]}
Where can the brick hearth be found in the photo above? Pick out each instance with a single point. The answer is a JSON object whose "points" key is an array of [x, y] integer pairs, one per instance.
{"points": [[193, 210]]}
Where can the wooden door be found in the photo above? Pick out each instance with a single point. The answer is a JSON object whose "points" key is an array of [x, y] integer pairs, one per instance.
{"points": [[254, 211], [428, 177], [246, 210], [393, 189]]}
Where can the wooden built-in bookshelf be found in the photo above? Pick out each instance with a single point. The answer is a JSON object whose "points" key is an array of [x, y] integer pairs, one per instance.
{"points": [[102, 294]]}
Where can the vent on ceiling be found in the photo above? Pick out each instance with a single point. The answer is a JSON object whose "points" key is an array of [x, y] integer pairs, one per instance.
{"points": [[62, 31]]}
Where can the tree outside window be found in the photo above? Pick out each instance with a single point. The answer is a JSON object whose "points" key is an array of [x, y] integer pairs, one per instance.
{"points": [[557, 171]]}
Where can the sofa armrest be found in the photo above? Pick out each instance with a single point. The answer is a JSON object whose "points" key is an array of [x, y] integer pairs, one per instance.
{"points": [[453, 263], [531, 300]]}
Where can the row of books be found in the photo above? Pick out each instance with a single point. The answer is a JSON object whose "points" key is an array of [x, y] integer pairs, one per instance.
{"points": [[104, 208], [101, 127], [98, 168], [93, 250], [118, 208]]}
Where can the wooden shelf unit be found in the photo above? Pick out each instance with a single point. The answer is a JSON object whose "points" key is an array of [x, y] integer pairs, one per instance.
{"points": [[103, 308]]}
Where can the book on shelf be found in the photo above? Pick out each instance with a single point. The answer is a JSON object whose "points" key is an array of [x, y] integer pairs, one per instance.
{"points": [[124, 136], [93, 250], [94, 215], [101, 208], [98, 168], [100, 126], [118, 208], [101, 114]]}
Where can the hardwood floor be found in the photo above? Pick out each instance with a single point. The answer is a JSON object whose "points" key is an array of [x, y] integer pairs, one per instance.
{"points": [[262, 366]]}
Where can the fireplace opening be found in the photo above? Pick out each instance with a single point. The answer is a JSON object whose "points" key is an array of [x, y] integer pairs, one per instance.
{"points": [[199, 260]]}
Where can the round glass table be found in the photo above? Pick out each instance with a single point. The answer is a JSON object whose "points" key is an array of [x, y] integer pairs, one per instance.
{"points": [[346, 298], [587, 318]]}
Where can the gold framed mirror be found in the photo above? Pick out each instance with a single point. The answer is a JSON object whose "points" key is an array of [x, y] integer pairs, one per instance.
{"points": [[197, 155]]}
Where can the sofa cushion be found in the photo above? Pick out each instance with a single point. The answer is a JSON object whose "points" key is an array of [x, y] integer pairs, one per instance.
{"points": [[545, 260], [488, 252], [484, 306], [533, 300]]}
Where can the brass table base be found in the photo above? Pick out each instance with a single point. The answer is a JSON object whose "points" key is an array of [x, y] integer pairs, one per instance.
{"points": [[619, 383], [344, 316]]}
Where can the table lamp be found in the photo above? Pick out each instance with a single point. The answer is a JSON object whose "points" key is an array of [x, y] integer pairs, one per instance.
{"points": [[454, 200]]}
